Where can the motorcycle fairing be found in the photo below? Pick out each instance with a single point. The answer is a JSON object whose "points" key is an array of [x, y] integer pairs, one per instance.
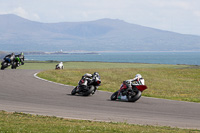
{"points": [[141, 87]]}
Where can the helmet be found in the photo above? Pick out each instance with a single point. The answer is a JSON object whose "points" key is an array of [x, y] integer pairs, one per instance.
{"points": [[22, 53], [12, 53], [138, 76], [96, 73]]}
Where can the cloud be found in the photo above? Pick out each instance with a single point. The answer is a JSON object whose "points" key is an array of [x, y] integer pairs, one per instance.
{"points": [[36, 16], [22, 13]]}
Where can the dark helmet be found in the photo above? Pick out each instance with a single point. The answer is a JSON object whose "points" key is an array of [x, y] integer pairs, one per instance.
{"points": [[96, 74]]}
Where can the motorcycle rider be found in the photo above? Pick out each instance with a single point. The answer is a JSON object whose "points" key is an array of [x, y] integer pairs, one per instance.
{"points": [[9, 58], [21, 57], [138, 80], [95, 74], [60, 65], [90, 77]]}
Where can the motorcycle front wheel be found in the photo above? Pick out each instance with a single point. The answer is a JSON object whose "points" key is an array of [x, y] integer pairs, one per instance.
{"points": [[2, 68], [3, 65], [114, 96], [74, 91]]}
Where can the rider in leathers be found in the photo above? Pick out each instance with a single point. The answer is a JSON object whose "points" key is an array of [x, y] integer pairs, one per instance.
{"points": [[21, 57], [10, 58], [90, 77], [138, 80]]}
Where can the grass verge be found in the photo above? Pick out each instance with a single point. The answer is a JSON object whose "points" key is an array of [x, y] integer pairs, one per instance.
{"points": [[22, 123]]}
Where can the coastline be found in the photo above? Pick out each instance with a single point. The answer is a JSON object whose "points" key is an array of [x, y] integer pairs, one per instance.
{"points": [[150, 57], [186, 58]]}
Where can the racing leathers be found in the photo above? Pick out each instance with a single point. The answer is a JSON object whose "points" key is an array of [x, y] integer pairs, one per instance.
{"points": [[9, 58], [128, 84], [20, 57]]}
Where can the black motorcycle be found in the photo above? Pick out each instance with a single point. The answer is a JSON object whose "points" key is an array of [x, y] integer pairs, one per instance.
{"points": [[87, 86], [17, 62]]}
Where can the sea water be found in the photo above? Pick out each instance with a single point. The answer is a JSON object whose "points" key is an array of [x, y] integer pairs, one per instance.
{"points": [[190, 58]]}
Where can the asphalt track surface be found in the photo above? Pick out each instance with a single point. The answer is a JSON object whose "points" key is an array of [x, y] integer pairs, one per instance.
{"points": [[20, 91]]}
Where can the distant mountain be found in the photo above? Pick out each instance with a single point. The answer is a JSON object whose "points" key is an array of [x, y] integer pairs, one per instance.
{"points": [[19, 34]]}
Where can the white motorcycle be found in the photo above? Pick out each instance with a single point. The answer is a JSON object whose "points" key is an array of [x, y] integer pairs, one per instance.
{"points": [[60, 66]]}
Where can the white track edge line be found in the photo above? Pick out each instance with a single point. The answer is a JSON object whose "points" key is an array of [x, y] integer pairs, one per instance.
{"points": [[35, 75]]}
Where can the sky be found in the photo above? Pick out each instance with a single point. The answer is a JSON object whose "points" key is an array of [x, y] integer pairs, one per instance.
{"points": [[181, 16]]}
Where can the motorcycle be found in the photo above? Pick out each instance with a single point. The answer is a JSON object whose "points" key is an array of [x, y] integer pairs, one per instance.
{"points": [[129, 91], [6, 63], [87, 86], [16, 63], [59, 66]]}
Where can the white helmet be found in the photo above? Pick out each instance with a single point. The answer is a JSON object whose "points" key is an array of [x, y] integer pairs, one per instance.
{"points": [[138, 76]]}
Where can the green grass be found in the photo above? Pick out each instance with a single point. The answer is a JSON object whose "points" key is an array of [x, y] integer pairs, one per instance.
{"points": [[44, 65], [176, 82], [26, 123]]}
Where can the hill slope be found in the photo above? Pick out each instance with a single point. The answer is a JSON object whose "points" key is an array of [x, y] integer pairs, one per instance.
{"points": [[19, 34]]}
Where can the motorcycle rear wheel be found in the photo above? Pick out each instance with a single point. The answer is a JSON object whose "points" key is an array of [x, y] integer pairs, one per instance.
{"points": [[114, 96], [91, 89], [14, 66], [135, 97]]}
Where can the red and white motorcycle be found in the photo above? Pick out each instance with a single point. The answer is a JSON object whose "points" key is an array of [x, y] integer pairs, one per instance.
{"points": [[129, 91]]}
